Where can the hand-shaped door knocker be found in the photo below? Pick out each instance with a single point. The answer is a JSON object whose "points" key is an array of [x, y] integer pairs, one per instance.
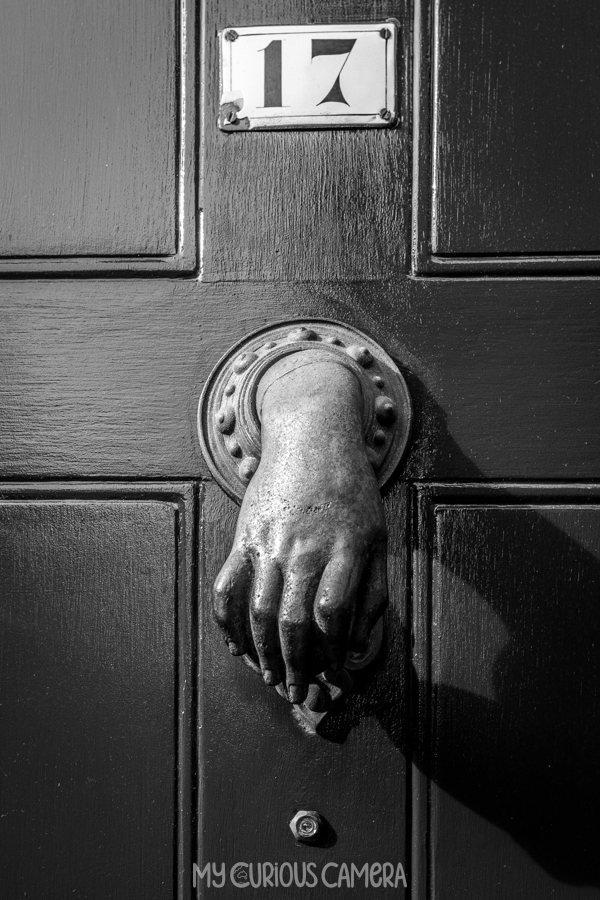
{"points": [[304, 422]]}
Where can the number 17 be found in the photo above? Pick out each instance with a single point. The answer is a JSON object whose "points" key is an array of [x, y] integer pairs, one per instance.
{"points": [[320, 47]]}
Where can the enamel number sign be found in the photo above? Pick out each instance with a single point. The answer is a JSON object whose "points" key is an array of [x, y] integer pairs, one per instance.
{"points": [[308, 76]]}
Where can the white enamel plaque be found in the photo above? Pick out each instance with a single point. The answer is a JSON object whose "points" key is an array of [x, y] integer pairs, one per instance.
{"points": [[308, 76]]}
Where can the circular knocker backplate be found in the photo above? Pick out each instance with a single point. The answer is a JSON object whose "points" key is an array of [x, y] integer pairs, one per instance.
{"points": [[228, 420]]}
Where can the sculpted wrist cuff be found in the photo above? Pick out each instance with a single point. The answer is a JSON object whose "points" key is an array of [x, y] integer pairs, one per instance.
{"points": [[229, 412], [308, 358]]}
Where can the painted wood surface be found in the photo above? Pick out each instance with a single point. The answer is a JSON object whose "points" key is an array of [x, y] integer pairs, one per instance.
{"points": [[104, 378], [100, 381], [305, 205], [507, 659], [95, 661], [516, 152], [97, 139], [258, 768], [505, 144]]}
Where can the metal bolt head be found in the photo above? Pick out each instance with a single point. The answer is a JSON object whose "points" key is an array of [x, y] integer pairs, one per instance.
{"points": [[385, 114], [385, 33], [231, 35], [307, 826], [230, 118]]}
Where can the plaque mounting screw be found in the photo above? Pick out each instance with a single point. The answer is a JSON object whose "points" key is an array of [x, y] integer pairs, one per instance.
{"points": [[385, 114], [231, 35], [385, 33]]}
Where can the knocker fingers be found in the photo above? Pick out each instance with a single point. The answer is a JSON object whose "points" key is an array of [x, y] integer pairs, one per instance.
{"points": [[264, 605], [334, 604], [295, 627], [372, 600], [230, 601]]}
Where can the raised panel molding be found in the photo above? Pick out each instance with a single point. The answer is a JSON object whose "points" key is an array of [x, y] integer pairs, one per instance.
{"points": [[96, 664], [506, 660], [506, 149], [98, 141]]}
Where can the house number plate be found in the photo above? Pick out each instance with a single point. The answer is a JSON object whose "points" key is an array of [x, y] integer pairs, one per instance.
{"points": [[308, 76]]}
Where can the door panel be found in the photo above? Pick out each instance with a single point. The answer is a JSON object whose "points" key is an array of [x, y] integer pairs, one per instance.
{"points": [[507, 148], [507, 664], [98, 174], [515, 151], [95, 671]]}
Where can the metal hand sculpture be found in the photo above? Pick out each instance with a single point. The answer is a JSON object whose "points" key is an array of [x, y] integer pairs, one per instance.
{"points": [[305, 422]]}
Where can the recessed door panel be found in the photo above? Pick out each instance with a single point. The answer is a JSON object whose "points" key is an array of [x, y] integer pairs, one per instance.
{"points": [[97, 136], [508, 659], [508, 148], [95, 794], [515, 164]]}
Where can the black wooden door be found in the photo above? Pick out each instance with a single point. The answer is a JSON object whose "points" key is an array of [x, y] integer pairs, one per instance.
{"points": [[137, 243]]}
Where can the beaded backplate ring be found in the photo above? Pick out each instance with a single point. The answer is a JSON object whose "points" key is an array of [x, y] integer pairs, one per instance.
{"points": [[228, 418]]}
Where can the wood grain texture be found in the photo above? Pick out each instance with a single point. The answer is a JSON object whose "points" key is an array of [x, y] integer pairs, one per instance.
{"points": [[95, 677], [103, 378], [507, 662], [321, 205], [257, 767], [93, 140]]}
